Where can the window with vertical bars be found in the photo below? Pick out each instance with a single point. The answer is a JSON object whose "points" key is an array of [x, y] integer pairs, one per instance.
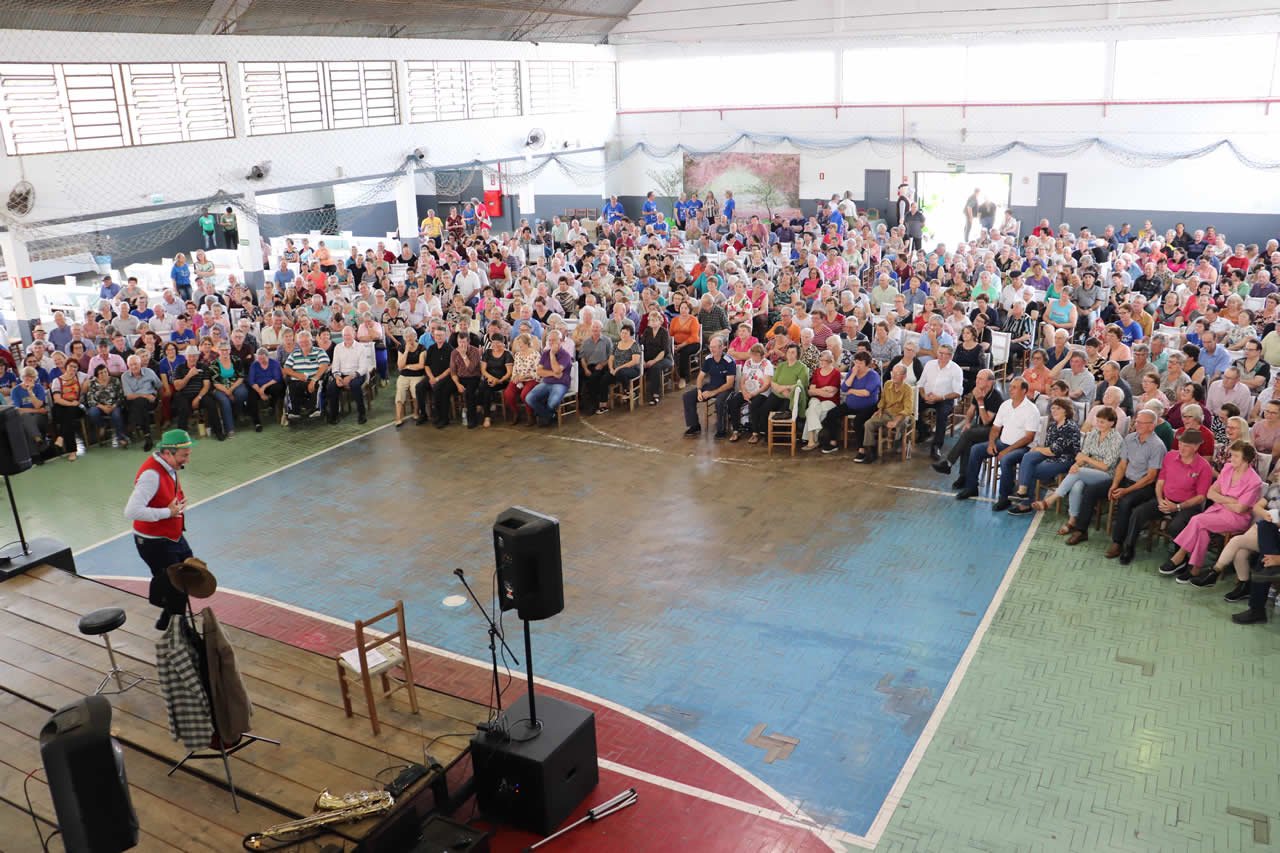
{"points": [[293, 97], [452, 90], [50, 107], [565, 87]]}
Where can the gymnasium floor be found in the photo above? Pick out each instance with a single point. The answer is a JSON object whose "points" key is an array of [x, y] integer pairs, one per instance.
{"points": [[928, 675]]}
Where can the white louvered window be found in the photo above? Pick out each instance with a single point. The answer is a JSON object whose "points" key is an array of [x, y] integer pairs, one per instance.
{"points": [[437, 91], [177, 101], [292, 97], [493, 89], [550, 87], [51, 107]]}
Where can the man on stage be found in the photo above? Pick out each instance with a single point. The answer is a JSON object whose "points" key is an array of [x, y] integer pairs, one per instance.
{"points": [[156, 509]]}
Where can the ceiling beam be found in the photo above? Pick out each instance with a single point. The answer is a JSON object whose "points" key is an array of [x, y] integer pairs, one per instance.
{"points": [[223, 16]]}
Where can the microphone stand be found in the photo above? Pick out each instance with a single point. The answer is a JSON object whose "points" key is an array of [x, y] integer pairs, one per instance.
{"points": [[493, 649]]}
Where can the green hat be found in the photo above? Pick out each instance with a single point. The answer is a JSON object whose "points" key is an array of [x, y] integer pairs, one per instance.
{"points": [[175, 439]]}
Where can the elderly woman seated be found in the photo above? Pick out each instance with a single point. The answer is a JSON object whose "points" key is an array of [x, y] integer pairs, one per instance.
{"points": [[1240, 549], [1112, 399], [824, 391], [1045, 462], [1094, 464], [1233, 496]]}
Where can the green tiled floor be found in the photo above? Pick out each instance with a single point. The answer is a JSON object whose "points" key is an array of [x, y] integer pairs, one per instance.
{"points": [[1050, 744], [82, 502]]}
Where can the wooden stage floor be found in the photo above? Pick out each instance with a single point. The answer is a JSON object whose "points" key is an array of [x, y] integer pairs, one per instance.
{"points": [[46, 663]]}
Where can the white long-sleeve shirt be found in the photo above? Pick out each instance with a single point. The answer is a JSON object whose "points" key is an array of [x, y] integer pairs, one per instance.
{"points": [[143, 491], [348, 360]]}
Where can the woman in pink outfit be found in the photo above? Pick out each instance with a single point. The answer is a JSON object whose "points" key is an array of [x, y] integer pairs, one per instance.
{"points": [[1233, 496]]}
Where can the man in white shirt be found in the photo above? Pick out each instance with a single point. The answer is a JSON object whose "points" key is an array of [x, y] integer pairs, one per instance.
{"points": [[467, 281], [1016, 291], [941, 384], [1015, 426], [349, 368], [162, 323]]}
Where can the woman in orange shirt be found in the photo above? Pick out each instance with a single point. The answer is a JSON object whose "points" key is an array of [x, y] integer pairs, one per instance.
{"points": [[686, 333]]}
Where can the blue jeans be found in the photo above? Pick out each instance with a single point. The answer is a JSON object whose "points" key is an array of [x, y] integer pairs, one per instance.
{"points": [[1039, 467], [1008, 463], [545, 399], [98, 418], [380, 356], [224, 405], [1073, 487]]}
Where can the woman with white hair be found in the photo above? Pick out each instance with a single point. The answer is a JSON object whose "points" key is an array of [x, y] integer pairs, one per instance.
{"points": [[1111, 398], [824, 389]]}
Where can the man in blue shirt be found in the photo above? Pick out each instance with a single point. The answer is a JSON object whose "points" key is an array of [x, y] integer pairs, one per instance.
{"points": [[837, 219], [729, 206], [613, 210], [650, 210], [284, 276], [109, 289], [1213, 358], [716, 380]]}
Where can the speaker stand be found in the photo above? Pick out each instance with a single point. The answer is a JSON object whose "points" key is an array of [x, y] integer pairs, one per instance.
{"points": [[22, 555], [531, 727]]}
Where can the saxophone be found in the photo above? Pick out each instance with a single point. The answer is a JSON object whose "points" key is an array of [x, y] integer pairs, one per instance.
{"points": [[329, 809]]}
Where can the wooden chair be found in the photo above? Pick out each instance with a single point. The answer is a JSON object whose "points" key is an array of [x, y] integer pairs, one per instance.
{"points": [[396, 654], [569, 404], [628, 392], [906, 431], [783, 426]]}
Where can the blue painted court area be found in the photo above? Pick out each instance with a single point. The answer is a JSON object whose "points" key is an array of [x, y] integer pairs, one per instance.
{"points": [[845, 644]]}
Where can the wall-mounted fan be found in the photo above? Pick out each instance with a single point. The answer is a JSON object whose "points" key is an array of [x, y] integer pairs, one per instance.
{"points": [[536, 139], [21, 198]]}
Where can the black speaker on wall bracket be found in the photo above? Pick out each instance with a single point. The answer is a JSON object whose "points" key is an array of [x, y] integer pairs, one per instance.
{"points": [[15, 457]]}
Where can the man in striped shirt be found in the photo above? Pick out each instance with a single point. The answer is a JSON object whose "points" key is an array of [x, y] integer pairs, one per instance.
{"points": [[306, 369]]}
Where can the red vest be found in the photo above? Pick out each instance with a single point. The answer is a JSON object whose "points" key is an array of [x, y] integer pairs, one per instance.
{"points": [[169, 528]]}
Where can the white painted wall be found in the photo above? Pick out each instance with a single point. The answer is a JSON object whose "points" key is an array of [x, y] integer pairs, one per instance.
{"points": [[1218, 182], [85, 182]]}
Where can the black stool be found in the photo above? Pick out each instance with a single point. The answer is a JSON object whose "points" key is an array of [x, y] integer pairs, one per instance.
{"points": [[103, 622]]}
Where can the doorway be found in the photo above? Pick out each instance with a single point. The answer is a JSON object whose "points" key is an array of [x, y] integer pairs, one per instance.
{"points": [[942, 197], [1051, 198]]}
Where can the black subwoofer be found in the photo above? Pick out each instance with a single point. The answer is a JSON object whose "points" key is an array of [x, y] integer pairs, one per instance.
{"points": [[535, 785]]}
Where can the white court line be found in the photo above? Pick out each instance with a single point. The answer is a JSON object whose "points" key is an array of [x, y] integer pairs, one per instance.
{"points": [[881, 822], [245, 483], [790, 810]]}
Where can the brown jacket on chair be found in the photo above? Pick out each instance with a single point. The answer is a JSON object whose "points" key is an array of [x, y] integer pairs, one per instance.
{"points": [[231, 706]]}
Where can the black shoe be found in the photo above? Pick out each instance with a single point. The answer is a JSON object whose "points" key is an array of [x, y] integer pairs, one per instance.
{"points": [[257, 427], [362, 420], [1168, 567], [1184, 576], [420, 420], [399, 424], [1250, 617], [941, 466], [721, 435], [1207, 579], [470, 424], [965, 494], [693, 431], [870, 457], [148, 444], [221, 436], [958, 482], [935, 453], [441, 424], [1126, 557], [1023, 508], [830, 448], [163, 622], [1002, 505], [1239, 593]]}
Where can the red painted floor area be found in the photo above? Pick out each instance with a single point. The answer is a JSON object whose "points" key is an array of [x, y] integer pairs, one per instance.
{"points": [[663, 818]]}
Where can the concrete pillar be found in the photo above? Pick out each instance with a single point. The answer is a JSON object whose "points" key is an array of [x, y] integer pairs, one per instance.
{"points": [[251, 243], [17, 262], [407, 207]]}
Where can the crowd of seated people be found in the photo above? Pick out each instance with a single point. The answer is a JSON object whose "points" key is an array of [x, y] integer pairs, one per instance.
{"points": [[1061, 354]]}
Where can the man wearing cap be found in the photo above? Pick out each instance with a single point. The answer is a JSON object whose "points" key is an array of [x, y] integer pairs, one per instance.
{"points": [[156, 508], [115, 364], [109, 288]]}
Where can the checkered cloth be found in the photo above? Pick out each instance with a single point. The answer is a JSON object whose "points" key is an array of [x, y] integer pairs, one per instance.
{"points": [[190, 717]]}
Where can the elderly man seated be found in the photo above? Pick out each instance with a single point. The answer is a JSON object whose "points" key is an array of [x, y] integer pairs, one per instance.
{"points": [[350, 368], [941, 384], [555, 370], [142, 389], [266, 385], [715, 382], [1012, 431], [1229, 389], [894, 411], [305, 371]]}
